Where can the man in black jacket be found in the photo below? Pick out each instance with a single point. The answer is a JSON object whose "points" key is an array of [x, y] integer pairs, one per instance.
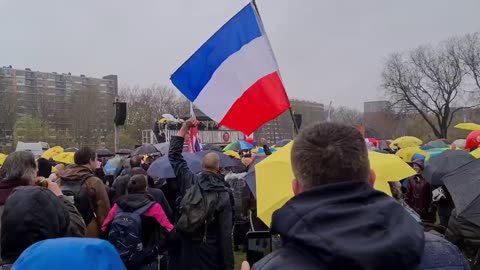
{"points": [[336, 220], [215, 250]]}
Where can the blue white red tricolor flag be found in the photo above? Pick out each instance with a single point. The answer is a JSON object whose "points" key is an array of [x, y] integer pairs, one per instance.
{"points": [[234, 77], [195, 143]]}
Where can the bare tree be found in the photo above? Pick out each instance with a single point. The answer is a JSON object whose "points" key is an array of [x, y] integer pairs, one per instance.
{"points": [[347, 116], [429, 81], [469, 47]]}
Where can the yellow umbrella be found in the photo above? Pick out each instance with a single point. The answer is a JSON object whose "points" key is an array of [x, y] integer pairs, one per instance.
{"points": [[65, 157], [468, 126], [407, 153], [52, 152], [2, 158], [163, 121], [232, 154], [405, 141], [475, 153], [255, 150], [274, 177]]}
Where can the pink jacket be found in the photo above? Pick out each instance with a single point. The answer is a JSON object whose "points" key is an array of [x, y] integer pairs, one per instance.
{"points": [[156, 211]]}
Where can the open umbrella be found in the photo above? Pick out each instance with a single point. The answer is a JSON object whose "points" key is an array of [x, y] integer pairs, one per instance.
{"points": [[2, 158], [232, 153], [113, 166], [65, 158], [444, 164], [407, 153], [225, 160], [124, 152], [438, 144], [145, 149], [213, 147], [104, 152], [462, 184], [250, 178], [238, 145], [52, 152], [162, 148], [70, 149], [468, 126], [162, 168], [473, 139], [476, 153], [274, 178], [405, 141], [261, 151], [282, 143]]}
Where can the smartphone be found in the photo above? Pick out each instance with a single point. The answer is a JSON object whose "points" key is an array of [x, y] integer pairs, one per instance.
{"points": [[259, 245]]}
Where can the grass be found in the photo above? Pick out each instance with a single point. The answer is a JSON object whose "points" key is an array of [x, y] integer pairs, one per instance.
{"points": [[239, 258]]}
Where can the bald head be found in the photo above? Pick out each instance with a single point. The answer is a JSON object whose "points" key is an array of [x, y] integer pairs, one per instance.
{"points": [[211, 162]]}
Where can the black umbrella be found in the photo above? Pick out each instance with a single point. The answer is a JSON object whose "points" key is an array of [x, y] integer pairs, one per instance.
{"points": [[162, 168], [124, 152], [445, 163], [70, 149], [145, 149], [250, 178], [225, 161], [462, 184], [104, 152], [282, 143], [213, 147]]}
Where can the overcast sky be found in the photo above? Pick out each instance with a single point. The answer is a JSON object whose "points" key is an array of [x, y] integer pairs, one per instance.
{"points": [[327, 50]]}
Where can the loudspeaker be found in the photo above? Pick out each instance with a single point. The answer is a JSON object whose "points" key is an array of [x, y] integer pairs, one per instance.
{"points": [[298, 120], [120, 113]]}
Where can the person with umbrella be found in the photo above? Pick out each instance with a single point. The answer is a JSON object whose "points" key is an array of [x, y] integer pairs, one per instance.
{"points": [[418, 195]]}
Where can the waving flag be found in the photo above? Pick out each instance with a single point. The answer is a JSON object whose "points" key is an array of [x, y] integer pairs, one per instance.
{"points": [[194, 144], [234, 77]]}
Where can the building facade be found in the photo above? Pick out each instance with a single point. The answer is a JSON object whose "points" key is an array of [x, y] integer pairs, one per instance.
{"points": [[77, 110], [282, 127]]}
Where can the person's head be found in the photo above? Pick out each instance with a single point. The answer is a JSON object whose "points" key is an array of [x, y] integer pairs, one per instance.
{"points": [[417, 165], [137, 184], [19, 166], [135, 162], [329, 153], [211, 162], [44, 168], [87, 157], [31, 214]]}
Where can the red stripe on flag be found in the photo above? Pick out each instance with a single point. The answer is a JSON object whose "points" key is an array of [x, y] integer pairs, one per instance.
{"points": [[262, 102]]}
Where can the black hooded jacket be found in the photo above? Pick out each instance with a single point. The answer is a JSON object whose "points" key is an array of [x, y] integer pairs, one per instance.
{"points": [[344, 226]]}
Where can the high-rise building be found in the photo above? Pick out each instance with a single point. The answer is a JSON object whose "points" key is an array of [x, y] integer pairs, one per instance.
{"points": [[77, 109], [282, 126]]}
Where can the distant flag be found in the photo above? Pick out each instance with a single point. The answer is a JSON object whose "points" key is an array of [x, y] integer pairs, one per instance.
{"points": [[329, 112], [194, 144], [234, 77]]}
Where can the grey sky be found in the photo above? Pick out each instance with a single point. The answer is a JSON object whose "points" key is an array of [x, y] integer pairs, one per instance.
{"points": [[327, 50]]}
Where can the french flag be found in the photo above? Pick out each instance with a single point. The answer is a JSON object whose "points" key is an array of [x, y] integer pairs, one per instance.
{"points": [[234, 77], [194, 144]]}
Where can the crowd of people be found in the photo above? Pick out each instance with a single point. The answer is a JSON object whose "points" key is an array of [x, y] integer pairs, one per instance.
{"points": [[74, 218]]}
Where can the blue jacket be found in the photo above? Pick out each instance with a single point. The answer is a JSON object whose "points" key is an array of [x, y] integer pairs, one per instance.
{"points": [[352, 226], [70, 253]]}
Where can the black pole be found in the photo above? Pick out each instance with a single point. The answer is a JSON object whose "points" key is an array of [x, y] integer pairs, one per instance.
{"points": [[295, 127]]}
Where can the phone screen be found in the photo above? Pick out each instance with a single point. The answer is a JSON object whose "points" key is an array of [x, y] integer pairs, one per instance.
{"points": [[259, 245]]}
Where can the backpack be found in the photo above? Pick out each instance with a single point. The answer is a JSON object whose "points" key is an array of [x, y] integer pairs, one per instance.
{"points": [[79, 197], [126, 235], [197, 209]]}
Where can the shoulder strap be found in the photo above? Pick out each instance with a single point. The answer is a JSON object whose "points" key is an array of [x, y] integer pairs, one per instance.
{"points": [[144, 208]]}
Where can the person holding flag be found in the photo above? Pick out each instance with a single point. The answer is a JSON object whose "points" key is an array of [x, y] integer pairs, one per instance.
{"points": [[194, 141]]}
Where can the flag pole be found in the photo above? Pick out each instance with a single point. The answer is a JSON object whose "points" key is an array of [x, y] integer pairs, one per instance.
{"points": [[254, 3]]}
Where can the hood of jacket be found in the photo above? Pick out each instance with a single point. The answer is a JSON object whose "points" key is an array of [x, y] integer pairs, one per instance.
{"points": [[350, 226], [31, 214], [132, 202], [211, 181], [75, 173], [72, 254]]}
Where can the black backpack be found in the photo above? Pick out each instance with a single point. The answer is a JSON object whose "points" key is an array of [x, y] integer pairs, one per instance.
{"points": [[72, 189], [197, 209], [126, 235]]}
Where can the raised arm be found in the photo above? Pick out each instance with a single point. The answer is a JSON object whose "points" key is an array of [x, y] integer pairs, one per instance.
{"points": [[184, 176]]}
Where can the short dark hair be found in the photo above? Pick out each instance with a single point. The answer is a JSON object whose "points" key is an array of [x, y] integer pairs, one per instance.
{"points": [[327, 153], [84, 155], [137, 184], [135, 161]]}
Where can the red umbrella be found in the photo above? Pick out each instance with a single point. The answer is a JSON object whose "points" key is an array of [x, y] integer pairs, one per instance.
{"points": [[473, 139], [374, 142]]}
